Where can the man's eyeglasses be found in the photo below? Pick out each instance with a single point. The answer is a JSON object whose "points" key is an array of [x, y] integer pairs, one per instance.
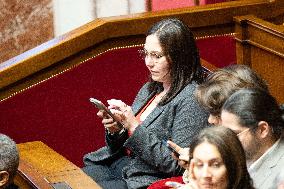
{"points": [[243, 131], [155, 56]]}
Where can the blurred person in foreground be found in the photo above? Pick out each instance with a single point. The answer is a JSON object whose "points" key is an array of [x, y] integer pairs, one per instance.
{"points": [[9, 162], [217, 161]]}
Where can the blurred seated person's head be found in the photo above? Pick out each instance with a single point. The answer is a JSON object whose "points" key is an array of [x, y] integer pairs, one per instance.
{"points": [[221, 84], [9, 161], [218, 160], [255, 116]]}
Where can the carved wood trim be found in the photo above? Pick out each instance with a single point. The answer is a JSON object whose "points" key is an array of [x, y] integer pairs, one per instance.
{"points": [[32, 177], [260, 45], [253, 31]]}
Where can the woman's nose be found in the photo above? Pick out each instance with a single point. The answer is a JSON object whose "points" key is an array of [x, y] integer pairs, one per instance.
{"points": [[206, 172], [148, 61]]}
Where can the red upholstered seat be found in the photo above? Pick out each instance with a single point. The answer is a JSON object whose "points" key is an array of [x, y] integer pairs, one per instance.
{"points": [[218, 50], [58, 112]]}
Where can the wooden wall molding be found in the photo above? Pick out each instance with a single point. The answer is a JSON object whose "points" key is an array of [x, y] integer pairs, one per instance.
{"points": [[257, 32], [260, 44]]}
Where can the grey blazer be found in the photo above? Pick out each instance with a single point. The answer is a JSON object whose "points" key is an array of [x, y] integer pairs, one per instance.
{"points": [[179, 120], [264, 175]]}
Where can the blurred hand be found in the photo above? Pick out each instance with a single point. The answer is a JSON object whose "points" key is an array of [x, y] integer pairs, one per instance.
{"points": [[183, 159], [176, 185], [173, 184]]}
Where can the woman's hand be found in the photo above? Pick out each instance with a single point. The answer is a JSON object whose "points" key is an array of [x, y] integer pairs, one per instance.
{"points": [[108, 122], [183, 159], [176, 185], [124, 113], [188, 178]]}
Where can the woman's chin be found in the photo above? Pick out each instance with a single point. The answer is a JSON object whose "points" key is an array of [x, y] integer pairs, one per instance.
{"points": [[155, 78]]}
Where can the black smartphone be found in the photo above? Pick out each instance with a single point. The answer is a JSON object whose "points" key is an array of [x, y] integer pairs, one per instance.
{"points": [[101, 106]]}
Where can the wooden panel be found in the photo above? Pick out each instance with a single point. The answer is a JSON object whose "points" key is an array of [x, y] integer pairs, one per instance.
{"points": [[41, 165], [260, 44], [22, 182], [64, 51], [28, 178]]}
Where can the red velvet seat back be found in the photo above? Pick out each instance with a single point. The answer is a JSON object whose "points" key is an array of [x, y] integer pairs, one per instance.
{"points": [[58, 112], [218, 50]]}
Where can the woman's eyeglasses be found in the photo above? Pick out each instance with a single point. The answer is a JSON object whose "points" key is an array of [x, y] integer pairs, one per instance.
{"points": [[155, 56]]}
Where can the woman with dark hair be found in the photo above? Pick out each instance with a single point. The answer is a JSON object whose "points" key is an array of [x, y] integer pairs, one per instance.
{"points": [[255, 116], [217, 161], [165, 108]]}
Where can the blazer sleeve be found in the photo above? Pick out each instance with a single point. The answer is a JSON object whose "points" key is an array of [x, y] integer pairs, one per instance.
{"points": [[180, 121]]}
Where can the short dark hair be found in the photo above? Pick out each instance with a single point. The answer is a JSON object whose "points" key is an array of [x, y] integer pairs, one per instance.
{"points": [[222, 83], [177, 41], [232, 153], [9, 156], [254, 105]]}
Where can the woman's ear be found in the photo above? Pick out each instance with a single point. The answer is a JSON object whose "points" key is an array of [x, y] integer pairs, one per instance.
{"points": [[191, 170], [4, 178], [264, 129]]}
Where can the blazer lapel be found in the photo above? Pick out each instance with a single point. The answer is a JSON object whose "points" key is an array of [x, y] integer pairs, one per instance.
{"points": [[141, 102], [153, 115]]}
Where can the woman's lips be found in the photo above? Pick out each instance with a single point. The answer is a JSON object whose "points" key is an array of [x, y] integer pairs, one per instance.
{"points": [[207, 185], [153, 72]]}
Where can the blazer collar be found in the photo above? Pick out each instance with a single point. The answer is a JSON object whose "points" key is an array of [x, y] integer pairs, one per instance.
{"points": [[141, 103], [153, 115]]}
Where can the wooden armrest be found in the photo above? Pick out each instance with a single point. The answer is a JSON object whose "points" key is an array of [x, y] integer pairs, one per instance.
{"points": [[31, 177], [41, 166]]}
